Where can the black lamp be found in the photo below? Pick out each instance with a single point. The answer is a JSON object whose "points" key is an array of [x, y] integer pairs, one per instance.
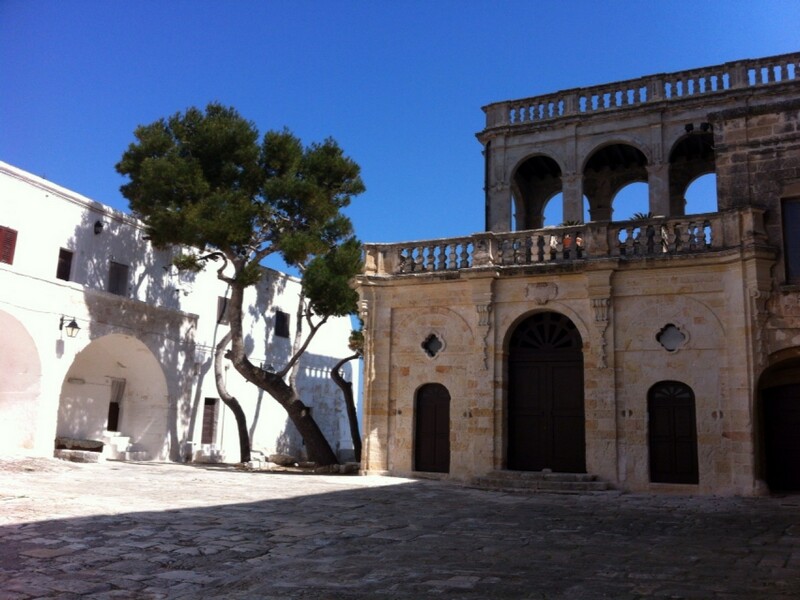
{"points": [[71, 327], [98, 227]]}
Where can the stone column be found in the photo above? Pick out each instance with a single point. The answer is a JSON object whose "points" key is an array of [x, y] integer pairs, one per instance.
{"points": [[498, 207], [497, 188], [658, 184], [572, 190]]}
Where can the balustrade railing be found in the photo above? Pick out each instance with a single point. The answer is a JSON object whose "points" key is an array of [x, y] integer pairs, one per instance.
{"points": [[627, 240], [663, 87]]}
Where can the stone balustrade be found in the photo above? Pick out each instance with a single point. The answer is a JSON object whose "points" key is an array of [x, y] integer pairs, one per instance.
{"points": [[624, 240], [669, 87]]}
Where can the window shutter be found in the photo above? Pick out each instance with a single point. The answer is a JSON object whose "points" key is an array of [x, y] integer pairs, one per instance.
{"points": [[8, 243]]}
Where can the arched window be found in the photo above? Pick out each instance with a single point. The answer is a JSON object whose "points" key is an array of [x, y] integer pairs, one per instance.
{"points": [[672, 433]]}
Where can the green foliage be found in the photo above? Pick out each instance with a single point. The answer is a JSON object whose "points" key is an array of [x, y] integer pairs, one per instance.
{"points": [[188, 262], [570, 223], [638, 216], [203, 179], [326, 281], [356, 341]]}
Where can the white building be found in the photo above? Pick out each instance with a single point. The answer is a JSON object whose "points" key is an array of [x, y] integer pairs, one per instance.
{"points": [[139, 371]]}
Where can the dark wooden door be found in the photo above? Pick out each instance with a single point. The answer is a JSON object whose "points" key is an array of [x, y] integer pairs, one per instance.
{"points": [[432, 429], [113, 416], [546, 424], [782, 436], [672, 433]]}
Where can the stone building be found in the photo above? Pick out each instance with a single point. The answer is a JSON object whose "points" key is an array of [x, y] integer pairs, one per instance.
{"points": [[138, 373], [656, 354]]}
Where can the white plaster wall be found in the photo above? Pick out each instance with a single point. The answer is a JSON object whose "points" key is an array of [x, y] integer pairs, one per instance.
{"points": [[172, 315]]}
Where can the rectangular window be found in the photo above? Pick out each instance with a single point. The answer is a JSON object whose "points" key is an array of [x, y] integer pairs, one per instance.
{"points": [[8, 242], [791, 239], [222, 310], [281, 324], [209, 421], [118, 278], [64, 269]]}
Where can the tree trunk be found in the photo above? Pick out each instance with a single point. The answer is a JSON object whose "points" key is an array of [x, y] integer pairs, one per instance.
{"points": [[349, 402], [317, 447], [230, 401]]}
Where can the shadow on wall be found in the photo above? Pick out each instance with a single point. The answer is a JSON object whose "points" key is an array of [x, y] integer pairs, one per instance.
{"points": [[132, 296]]}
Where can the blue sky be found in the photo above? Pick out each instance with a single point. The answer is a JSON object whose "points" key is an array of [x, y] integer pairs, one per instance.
{"points": [[399, 84]]}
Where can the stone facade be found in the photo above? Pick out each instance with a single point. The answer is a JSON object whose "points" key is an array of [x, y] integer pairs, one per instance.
{"points": [[688, 325], [145, 342]]}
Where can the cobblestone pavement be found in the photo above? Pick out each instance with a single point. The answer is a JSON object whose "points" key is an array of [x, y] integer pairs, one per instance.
{"points": [[122, 530]]}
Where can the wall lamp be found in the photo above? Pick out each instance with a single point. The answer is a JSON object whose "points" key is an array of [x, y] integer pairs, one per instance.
{"points": [[71, 327], [98, 227]]}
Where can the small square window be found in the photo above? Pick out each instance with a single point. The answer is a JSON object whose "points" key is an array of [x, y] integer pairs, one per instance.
{"points": [[281, 324], [118, 278], [64, 268], [8, 243]]}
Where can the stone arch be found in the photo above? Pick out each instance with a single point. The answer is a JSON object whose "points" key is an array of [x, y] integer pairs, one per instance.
{"points": [[557, 307], [608, 168], [534, 180], [452, 328], [20, 386], [778, 421], [117, 369], [691, 156]]}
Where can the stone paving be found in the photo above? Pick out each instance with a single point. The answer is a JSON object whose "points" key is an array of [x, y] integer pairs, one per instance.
{"points": [[123, 530]]}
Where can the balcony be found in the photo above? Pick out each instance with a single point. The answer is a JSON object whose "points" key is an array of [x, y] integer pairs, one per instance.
{"points": [[658, 237], [676, 87]]}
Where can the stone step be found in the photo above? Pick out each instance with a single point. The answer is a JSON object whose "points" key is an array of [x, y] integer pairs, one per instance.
{"points": [[138, 455], [115, 445], [542, 481]]}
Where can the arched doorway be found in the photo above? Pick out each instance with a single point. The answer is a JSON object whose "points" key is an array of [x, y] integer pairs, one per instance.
{"points": [[546, 428], [117, 385], [782, 436], [672, 433], [780, 425], [432, 429]]}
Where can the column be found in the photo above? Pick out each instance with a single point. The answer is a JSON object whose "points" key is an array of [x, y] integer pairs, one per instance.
{"points": [[572, 190], [658, 184]]}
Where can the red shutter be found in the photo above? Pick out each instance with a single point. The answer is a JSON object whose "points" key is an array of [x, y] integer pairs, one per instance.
{"points": [[8, 242]]}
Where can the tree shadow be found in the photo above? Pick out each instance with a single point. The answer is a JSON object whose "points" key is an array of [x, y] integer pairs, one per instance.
{"points": [[399, 540]]}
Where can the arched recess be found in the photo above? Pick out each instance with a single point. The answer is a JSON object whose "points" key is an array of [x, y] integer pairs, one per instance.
{"points": [[672, 433], [432, 429], [608, 170], [701, 195], [691, 156], [779, 415], [630, 200], [20, 386], [545, 415], [116, 378], [535, 181]]}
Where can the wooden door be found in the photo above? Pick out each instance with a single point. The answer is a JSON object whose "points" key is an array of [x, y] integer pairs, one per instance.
{"points": [[546, 424], [672, 433], [432, 429]]}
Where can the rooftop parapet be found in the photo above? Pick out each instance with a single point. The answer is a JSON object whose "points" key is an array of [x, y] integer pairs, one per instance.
{"points": [[675, 87]]}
